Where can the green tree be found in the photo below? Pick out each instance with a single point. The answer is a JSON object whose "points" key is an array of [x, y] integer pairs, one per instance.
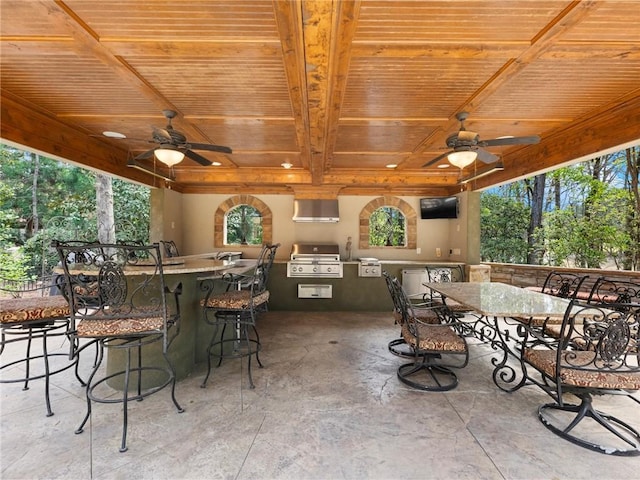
{"points": [[244, 225], [61, 191], [387, 227], [503, 233]]}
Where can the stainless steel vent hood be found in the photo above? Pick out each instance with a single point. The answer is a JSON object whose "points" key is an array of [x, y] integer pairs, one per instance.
{"points": [[315, 210]]}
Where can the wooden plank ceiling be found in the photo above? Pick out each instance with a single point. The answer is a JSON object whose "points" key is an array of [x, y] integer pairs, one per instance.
{"points": [[339, 89]]}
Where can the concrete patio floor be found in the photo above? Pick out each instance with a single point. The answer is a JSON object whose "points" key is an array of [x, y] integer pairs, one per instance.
{"points": [[327, 405]]}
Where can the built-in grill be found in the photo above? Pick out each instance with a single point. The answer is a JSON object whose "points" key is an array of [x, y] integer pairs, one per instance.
{"points": [[314, 261], [369, 267]]}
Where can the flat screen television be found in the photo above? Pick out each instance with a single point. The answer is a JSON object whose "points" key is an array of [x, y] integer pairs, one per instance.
{"points": [[439, 207]]}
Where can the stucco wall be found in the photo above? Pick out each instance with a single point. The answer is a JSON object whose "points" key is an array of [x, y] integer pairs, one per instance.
{"points": [[194, 215]]}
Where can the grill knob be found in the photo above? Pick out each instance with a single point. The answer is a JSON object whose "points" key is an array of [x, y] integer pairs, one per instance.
{"points": [[315, 269]]}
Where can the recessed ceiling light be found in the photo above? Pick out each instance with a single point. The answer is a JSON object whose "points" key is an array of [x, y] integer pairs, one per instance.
{"points": [[114, 134], [215, 164], [287, 165], [392, 165], [444, 165]]}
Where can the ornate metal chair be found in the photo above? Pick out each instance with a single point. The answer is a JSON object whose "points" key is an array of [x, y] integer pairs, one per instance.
{"points": [[237, 307], [597, 353], [559, 284], [604, 291], [614, 291], [398, 346], [170, 248], [33, 312], [118, 297], [563, 285], [432, 344], [437, 274]]}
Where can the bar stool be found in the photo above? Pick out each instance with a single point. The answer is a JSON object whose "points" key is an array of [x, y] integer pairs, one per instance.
{"points": [[244, 296], [31, 315], [118, 299]]}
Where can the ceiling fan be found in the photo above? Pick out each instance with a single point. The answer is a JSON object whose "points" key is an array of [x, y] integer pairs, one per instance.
{"points": [[466, 146], [173, 145]]}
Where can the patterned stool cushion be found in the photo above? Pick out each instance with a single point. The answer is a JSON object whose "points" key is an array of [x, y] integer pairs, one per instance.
{"points": [[235, 300], [31, 309], [100, 327], [545, 361], [439, 338]]}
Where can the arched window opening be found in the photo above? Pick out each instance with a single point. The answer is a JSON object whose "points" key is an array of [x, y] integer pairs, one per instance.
{"points": [[387, 228], [243, 226], [388, 222]]}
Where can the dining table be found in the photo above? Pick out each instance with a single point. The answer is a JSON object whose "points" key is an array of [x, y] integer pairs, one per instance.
{"points": [[499, 314]]}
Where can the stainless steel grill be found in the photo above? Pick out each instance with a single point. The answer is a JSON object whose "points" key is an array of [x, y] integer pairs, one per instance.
{"points": [[314, 261], [369, 267]]}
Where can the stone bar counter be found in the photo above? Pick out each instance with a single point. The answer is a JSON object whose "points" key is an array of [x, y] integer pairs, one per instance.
{"points": [[189, 348]]}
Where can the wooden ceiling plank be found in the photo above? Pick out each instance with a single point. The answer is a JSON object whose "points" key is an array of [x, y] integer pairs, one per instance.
{"points": [[289, 21], [317, 17], [344, 29]]}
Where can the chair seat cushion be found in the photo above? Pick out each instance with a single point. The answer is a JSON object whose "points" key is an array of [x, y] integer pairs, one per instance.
{"points": [[31, 309], [99, 327], [435, 338], [234, 300], [545, 361]]}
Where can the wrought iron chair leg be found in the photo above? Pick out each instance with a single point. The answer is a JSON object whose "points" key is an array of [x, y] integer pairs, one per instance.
{"points": [[80, 429], [222, 342], [394, 348], [125, 400], [45, 358], [255, 331], [245, 329], [209, 348], [443, 379], [173, 382], [622, 430], [28, 360]]}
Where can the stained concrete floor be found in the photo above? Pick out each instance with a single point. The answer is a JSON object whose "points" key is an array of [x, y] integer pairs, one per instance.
{"points": [[327, 405]]}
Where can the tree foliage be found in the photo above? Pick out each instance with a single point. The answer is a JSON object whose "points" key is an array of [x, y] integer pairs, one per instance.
{"points": [[387, 226], [590, 216], [244, 225], [63, 191], [503, 236]]}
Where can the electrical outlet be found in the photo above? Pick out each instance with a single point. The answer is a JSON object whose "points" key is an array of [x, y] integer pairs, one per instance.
{"points": [[418, 251], [456, 251], [438, 252]]}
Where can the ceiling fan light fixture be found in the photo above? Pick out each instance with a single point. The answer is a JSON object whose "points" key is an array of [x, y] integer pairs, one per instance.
{"points": [[462, 159], [169, 156]]}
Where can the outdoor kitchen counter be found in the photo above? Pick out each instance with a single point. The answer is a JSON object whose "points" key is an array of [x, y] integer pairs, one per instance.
{"points": [[349, 293]]}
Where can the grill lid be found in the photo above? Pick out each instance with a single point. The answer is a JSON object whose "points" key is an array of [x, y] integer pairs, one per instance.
{"points": [[315, 250]]}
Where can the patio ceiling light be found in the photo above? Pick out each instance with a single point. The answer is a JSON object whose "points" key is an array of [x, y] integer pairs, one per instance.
{"points": [[462, 158], [169, 156]]}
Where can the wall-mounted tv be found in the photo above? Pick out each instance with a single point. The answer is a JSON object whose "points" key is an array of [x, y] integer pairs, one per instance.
{"points": [[439, 207]]}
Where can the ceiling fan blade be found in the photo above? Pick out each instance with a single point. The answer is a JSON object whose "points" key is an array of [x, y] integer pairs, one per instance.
{"points": [[197, 157], [435, 160], [145, 155], [533, 139], [486, 157], [210, 148]]}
